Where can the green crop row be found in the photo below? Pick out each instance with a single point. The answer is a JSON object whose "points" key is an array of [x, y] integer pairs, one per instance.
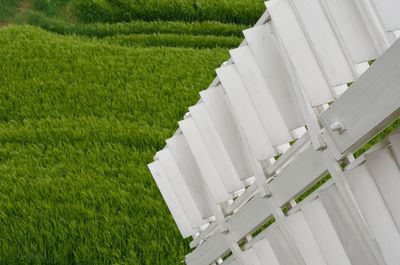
{"points": [[79, 121], [101, 30], [7, 8], [173, 40], [227, 11]]}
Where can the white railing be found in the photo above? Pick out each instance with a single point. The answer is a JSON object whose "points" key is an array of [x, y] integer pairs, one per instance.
{"points": [[279, 118]]}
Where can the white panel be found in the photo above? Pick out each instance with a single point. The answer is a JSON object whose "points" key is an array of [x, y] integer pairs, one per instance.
{"points": [[304, 239], [352, 29], [387, 177], [375, 213], [325, 234], [325, 43], [388, 11], [263, 46], [395, 144], [245, 112], [280, 247], [355, 246], [184, 159], [180, 187], [206, 165], [264, 252], [260, 95], [250, 256], [170, 199], [215, 148], [306, 66], [217, 106]]}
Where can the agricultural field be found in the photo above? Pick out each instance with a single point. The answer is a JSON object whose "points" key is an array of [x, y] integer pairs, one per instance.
{"points": [[86, 99]]}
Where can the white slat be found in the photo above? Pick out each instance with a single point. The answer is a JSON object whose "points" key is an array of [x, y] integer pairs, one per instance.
{"points": [[245, 113], [388, 11], [332, 57], [264, 50], [217, 107], [187, 164], [350, 25], [264, 252], [215, 147], [261, 97], [304, 239], [355, 246], [306, 66], [203, 159], [170, 199], [375, 213], [387, 177], [324, 233], [180, 187], [279, 246], [395, 146], [250, 256]]}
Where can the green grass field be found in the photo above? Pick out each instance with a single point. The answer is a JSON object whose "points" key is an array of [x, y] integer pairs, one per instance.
{"points": [[89, 90]]}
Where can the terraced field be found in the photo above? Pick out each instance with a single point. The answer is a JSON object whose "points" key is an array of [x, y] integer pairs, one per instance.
{"points": [[86, 98]]}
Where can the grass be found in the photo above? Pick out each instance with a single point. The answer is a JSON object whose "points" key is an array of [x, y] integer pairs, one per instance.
{"points": [[79, 121]]}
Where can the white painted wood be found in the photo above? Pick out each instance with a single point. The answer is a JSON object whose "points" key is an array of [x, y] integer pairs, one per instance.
{"points": [[375, 213], [349, 233], [388, 10], [261, 97], [265, 253], [301, 55], [204, 160], [217, 107], [395, 146], [375, 95], [288, 183], [338, 69], [251, 257], [171, 199], [280, 246], [180, 187], [245, 113], [184, 159], [209, 251], [324, 233], [386, 175], [216, 148], [304, 239], [350, 25]]}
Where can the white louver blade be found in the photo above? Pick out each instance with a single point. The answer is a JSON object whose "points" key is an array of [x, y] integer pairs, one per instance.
{"points": [[246, 113], [171, 200], [386, 175], [338, 68], [388, 11], [395, 146], [187, 164], [216, 148], [261, 97], [180, 187], [346, 228], [280, 246], [204, 160], [349, 24], [217, 107], [306, 66], [375, 213], [324, 233], [304, 239], [250, 256], [265, 253], [263, 46]]}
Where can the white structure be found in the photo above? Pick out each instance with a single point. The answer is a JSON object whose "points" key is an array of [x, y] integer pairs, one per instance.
{"points": [[278, 119]]}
